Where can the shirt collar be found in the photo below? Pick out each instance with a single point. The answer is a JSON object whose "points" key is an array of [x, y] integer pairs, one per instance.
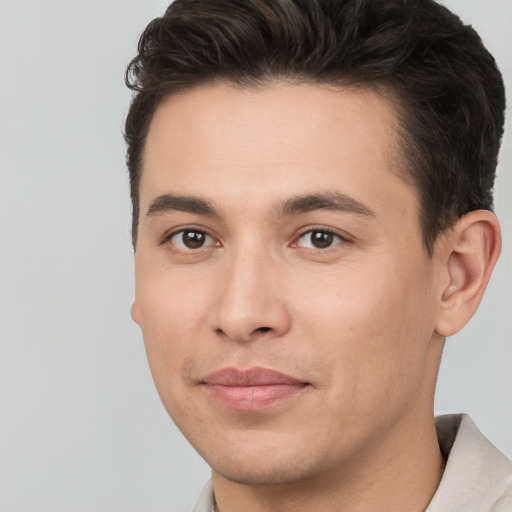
{"points": [[478, 477]]}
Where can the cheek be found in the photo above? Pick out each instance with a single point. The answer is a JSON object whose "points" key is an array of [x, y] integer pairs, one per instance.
{"points": [[173, 319], [374, 328]]}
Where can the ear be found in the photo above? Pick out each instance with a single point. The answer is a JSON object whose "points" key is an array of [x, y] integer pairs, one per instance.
{"points": [[469, 251]]}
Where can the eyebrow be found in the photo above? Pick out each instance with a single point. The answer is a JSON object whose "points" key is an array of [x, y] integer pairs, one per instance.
{"points": [[333, 201], [190, 204]]}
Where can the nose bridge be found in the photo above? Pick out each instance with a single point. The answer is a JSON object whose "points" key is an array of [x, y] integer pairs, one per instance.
{"points": [[250, 302]]}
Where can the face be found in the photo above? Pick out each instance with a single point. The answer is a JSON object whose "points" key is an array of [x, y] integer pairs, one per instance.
{"points": [[286, 299]]}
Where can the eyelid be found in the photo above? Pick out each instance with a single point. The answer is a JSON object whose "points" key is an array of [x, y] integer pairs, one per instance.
{"points": [[325, 229], [168, 235]]}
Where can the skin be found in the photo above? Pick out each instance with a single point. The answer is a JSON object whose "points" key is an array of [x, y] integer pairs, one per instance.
{"points": [[360, 321]]}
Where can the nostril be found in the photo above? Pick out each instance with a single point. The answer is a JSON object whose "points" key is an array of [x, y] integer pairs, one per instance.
{"points": [[263, 329]]}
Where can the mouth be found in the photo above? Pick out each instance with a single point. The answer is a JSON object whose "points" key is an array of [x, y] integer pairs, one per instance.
{"points": [[253, 389]]}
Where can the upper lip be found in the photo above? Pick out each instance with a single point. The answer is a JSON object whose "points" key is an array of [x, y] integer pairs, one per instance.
{"points": [[255, 376]]}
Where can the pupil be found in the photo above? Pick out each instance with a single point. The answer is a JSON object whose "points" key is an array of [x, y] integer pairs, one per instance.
{"points": [[321, 239], [193, 239]]}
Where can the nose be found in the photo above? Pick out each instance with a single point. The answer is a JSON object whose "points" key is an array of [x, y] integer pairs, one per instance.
{"points": [[251, 303]]}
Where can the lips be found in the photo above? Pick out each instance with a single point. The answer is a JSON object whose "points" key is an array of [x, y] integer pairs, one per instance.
{"points": [[253, 389]]}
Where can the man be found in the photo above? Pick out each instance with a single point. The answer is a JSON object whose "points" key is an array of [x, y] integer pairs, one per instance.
{"points": [[312, 195]]}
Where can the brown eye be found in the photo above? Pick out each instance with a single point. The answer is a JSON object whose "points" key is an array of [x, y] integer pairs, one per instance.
{"points": [[318, 239], [190, 239]]}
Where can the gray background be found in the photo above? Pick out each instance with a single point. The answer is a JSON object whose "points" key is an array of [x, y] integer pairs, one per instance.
{"points": [[81, 426]]}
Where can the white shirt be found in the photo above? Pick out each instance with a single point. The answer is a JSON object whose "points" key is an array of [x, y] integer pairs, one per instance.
{"points": [[477, 477]]}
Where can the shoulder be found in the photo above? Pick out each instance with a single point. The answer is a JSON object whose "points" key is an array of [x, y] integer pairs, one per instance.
{"points": [[478, 477]]}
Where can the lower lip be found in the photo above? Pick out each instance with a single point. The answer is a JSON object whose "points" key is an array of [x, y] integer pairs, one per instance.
{"points": [[253, 398]]}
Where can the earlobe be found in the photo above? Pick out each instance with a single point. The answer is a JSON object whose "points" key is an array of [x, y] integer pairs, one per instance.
{"points": [[135, 313], [471, 250]]}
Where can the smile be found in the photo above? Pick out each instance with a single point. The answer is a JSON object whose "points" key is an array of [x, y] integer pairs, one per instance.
{"points": [[251, 390]]}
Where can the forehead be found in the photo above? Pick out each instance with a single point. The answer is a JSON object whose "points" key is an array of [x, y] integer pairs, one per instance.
{"points": [[275, 140]]}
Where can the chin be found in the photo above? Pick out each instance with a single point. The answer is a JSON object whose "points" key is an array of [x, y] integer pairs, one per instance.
{"points": [[265, 463], [278, 472]]}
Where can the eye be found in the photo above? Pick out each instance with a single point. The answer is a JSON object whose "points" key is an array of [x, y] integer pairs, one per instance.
{"points": [[190, 239], [318, 239]]}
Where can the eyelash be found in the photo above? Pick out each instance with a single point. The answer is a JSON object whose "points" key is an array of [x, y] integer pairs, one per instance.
{"points": [[319, 229], [168, 237], [326, 231]]}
